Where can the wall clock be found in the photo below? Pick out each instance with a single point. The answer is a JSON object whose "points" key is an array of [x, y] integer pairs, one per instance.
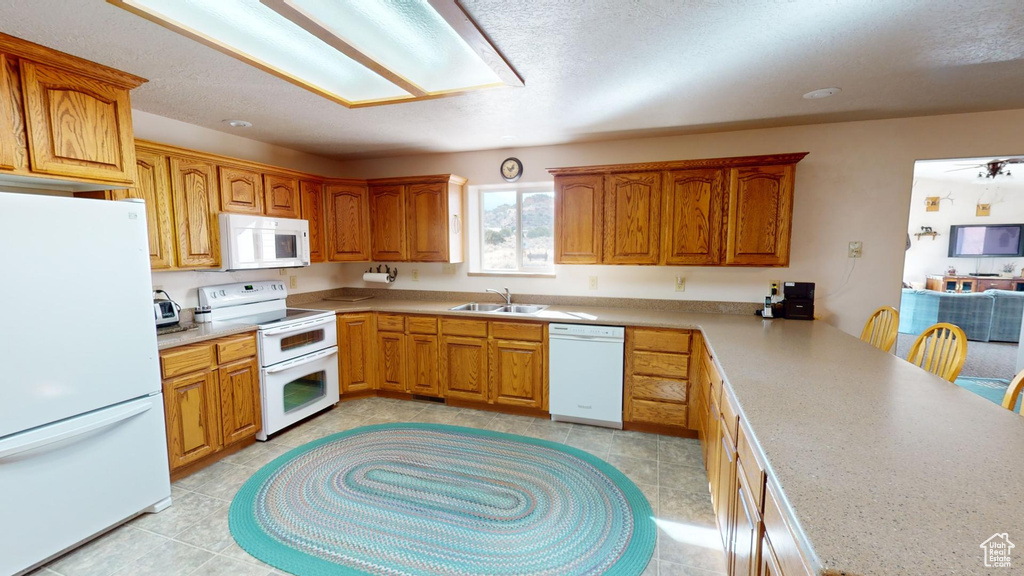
{"points": [[511, 169]]}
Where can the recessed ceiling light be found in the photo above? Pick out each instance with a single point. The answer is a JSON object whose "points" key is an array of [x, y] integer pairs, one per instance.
{"points": [[822, 93], [238, 123]]}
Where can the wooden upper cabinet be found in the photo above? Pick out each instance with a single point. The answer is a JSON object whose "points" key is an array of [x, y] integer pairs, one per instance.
{"points": [[760, 215], [8, 123], [195, 198], [579, 207], [388, 223], [241, 190], [153, 184], [426, 216], [77, 127], [692, 217], [282, 196], [347, 216], [632, 221], [240, 408], [311, 208]]}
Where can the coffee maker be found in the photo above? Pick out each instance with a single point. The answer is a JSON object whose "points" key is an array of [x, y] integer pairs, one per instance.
{"points": [[799, 300]]}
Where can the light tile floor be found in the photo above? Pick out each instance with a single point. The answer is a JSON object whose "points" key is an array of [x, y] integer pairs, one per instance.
{"points": [[192, 537]]}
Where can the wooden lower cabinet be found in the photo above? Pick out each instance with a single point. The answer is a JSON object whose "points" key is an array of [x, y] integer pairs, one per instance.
{"points": [[391, 361], [356, 345], [240, 407], [517, 373], [464, 367], [657, 375], [191, 407], [422, 378], [746, 528], [211, 397]]}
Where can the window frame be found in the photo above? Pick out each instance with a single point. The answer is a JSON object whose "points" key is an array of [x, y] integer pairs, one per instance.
{"points": [[477, 231]]}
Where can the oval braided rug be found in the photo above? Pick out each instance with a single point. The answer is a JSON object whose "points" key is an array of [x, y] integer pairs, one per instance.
{"points": [[423, 499]]}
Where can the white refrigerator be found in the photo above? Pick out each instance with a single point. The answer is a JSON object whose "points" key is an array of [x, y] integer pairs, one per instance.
{"points": [[82, 441]]}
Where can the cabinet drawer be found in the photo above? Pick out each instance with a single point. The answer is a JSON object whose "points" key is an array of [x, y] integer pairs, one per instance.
{"points": [[421, 324], [751, 466], [655, 388], [674, 341], [236, 348], [657, 412], [457, 327], [660, 364], [729, 418], [390, 323], [783, 542], [517, 331], [186, 359], [713, 376]]}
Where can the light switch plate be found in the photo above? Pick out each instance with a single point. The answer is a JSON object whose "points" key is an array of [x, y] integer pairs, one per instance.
{"points": [[593, 282]]}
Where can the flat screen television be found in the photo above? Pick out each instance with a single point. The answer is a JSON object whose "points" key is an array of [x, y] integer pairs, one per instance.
{"points": [[992, 241]]}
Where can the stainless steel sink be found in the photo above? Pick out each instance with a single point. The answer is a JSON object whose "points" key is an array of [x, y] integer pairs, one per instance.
{"points": [[477, 307], [521, 309]]}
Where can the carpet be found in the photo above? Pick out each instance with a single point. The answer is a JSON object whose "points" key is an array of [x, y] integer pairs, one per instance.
{"points": [[990, 388], [419, 499]]}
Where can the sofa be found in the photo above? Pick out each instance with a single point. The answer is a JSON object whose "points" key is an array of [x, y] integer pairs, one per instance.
{"points": [[990, 316]]}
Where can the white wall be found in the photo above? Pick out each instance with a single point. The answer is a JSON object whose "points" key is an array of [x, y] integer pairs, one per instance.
{"points": [[930, 256], [854, 185], [181, 285]]}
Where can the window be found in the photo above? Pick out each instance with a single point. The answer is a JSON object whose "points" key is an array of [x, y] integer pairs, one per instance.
{"points": [[517, 230]]}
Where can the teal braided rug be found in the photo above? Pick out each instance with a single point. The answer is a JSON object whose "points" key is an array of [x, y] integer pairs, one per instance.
{"points": [[430, 499]]}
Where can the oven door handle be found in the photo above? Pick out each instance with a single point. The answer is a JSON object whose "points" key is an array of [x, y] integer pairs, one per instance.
{"points": [[302, 327], [302, 360]]}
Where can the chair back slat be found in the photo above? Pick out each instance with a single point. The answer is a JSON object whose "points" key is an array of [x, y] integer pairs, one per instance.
{"points": [[941, 350], [880, 329]]}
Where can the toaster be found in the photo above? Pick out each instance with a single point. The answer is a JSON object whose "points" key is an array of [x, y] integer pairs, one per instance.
{"points": [[166, 312]]}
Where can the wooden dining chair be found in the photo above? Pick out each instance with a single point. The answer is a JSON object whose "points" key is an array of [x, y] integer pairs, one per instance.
{"points": [[941, 350], [880, 329], [1013, 392]]}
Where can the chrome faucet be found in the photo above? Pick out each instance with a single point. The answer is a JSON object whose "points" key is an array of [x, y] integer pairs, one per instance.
{"points": [[507, 295]]}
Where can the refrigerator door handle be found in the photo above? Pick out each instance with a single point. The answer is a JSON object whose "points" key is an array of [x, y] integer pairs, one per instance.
{"points": [[66, 430]]}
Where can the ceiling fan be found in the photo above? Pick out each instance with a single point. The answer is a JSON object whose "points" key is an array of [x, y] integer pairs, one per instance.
{"points": [[993, 168]]}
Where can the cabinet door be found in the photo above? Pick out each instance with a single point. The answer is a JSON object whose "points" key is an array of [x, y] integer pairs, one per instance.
{"points": [[190, 405], [692, 217], [8, 127], [423, 366], [517, 373], [391, 363], [579, 209], [746, 529], [355, 347], [769, 563], [464, 368], [387, 224], [282, 196], [77, 127], [760, 215], [241, 191], [348, 222], [726, 479], [427, 222], [240, 412], [632, 218], [311, 204], [153, 184], [194, 190]]}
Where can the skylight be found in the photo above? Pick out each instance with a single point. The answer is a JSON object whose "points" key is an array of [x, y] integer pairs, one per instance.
{"points": [[355, 52]]}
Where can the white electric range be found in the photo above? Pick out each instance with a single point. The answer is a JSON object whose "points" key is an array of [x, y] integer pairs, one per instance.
{"points": [[298, 349]]}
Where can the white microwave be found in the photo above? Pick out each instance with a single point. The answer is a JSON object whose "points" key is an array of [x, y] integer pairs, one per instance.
{"points": [[250, 242]]}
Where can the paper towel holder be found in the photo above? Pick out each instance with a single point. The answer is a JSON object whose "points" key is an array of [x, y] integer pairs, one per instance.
{"points": [[392, 273]]}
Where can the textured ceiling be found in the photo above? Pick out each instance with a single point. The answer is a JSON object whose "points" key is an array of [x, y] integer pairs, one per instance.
{"points": [[594, 69]]}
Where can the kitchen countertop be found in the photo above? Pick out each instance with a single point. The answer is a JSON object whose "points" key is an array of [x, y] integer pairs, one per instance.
{"points": [[886, 469], [207, 331]]}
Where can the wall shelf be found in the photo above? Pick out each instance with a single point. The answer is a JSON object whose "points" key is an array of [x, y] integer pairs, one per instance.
{"points": [[933, 235]]}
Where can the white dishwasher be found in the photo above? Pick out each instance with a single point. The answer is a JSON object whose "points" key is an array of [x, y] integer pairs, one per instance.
{"points": [[585, 374]]}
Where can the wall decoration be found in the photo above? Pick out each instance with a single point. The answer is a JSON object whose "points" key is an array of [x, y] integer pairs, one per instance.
{"points": [[984, 209], [931, 204]]}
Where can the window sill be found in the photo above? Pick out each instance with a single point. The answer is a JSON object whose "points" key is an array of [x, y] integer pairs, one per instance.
{"points": [[514, 274]]}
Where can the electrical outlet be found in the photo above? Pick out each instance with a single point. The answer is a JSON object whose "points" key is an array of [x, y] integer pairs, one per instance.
{"points": [[680, 284], [448, 268], [855, 249], [415, 275], [773, 288], [593, 282], [283, 271], [293, 281]]}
